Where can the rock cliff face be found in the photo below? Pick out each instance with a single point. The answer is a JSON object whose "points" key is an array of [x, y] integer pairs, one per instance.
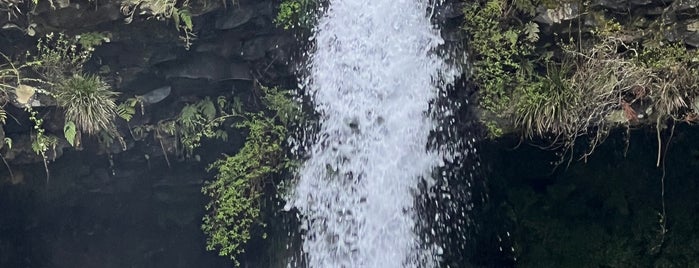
{"points": [[138, 204], [127, 193], [679, 18], [235, 47]]}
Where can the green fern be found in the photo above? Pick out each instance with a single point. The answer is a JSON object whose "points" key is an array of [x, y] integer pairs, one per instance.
{"points": [[125, 111]]}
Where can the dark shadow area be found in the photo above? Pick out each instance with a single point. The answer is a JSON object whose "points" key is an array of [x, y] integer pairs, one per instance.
{"points": [[606, 212]]}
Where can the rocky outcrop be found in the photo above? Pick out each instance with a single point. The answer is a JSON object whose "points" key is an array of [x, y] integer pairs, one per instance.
{"points": [[235, 46], [679, 18]]}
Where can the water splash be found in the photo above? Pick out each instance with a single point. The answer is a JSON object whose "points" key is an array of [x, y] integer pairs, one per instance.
{"points": [[372, 78]]}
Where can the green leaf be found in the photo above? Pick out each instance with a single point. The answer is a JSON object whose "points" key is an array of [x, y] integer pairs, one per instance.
{"points": [[126, 111], [69, 132], [186, 18], [531, 29], [208, 109]]}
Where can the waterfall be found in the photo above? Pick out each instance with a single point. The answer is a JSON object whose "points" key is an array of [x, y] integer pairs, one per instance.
{"points": [[372, 77]]}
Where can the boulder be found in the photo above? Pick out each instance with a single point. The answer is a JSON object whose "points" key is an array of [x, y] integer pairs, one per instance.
{"points": [[78, 16], [226, 45], [258, 47], [564, 12], [204, 66], [233, 17]]}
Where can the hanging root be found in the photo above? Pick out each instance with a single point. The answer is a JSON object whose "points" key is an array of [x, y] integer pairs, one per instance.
{"points": [[12, 175]]}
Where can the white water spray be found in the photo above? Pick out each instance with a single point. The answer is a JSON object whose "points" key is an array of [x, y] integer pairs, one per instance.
{"points": [[372, 77]]}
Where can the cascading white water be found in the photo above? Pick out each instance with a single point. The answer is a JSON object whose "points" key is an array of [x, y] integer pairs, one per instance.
{"points": [[372, 77]]}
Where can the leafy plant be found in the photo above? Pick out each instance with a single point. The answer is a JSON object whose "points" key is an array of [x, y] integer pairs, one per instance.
{"points": [[41, 142], [12, 80], [296, 13], [127, 109], [90, 40], [500, 52], [164, 9], [58, 57], [234, 208], [201, 119], [69, 132], [88, 103]]}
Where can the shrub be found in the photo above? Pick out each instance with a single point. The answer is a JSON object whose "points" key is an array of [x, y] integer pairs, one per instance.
{"points": [[57, 57], [179, 12], [296, 13], [500, 53], [234, 209], [88, 103]]}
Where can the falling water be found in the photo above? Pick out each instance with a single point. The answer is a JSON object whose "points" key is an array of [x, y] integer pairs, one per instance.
{"points": [[372, 77]]}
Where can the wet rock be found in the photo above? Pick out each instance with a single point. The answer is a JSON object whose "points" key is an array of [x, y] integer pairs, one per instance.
{"points": [[195, 66], [257, 48], [640, 2], [78, 16], [233, 17], [692, 39], [280, 54], [225, 45], [613, 4], [683, 32], [22, 152], [653, 11], [451, 10], [164, 55], [685, 6], [24, 95], [265, 8], [691, 34], [61, 3], [156, 95], [204, 66], [681, 10], [564, 12], [240, 71]]}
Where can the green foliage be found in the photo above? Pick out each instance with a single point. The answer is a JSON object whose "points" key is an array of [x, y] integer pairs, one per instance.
{"points": [[574, 88], [494, 131], [239, 178], [8, 81], [42, 142], [11, 78], [498, 50], [675, 75], [58, 57], [69, 132], [127, 109], [90, 40], [603, 212], [547, 105], [160, 9], [88, 102], [199, 120], [285, 107], [234, 208], [296, 13], [183, 22], [178, 11]]}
